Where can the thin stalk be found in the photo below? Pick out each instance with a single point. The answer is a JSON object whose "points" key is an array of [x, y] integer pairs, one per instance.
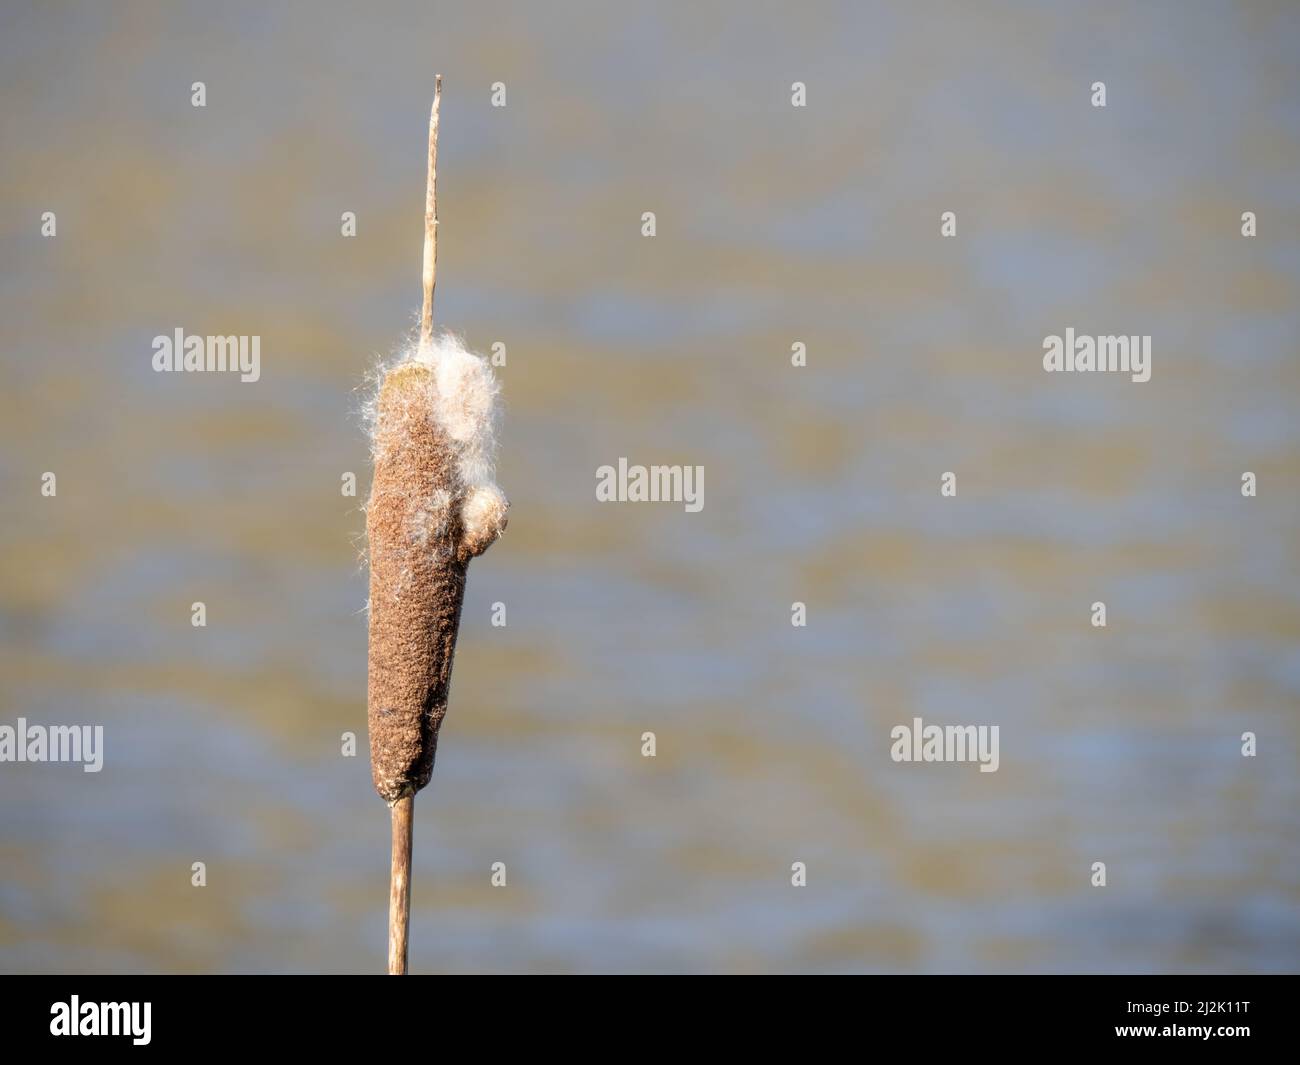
{"points": [[399, 893], [431, 223]]}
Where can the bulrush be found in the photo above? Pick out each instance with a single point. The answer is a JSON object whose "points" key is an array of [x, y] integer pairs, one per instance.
{"points": [[433, 506]]}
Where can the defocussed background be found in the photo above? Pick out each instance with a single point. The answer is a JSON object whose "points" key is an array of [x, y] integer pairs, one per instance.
{"points": [[775, 225]]}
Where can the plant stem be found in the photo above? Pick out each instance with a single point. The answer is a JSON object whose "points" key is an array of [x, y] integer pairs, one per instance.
{"points": [[399, 893], [431, 223]]}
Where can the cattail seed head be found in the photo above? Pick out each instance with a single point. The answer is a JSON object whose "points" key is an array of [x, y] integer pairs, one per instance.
{"points": [[433, 506]]}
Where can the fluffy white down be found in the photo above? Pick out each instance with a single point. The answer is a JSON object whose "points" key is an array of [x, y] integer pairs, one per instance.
{"points": [[463, 400], [483, 514], [466, 403]]}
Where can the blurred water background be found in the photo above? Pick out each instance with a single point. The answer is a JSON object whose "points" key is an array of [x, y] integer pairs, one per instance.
{"points": [[774, 225]]}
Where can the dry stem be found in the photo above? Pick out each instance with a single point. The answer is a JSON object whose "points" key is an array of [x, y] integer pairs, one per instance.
{"points": [[399, 893], [431, 223]]}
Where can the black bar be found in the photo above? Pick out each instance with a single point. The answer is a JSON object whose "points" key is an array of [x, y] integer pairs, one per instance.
{"points": [[916, 1014]]}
